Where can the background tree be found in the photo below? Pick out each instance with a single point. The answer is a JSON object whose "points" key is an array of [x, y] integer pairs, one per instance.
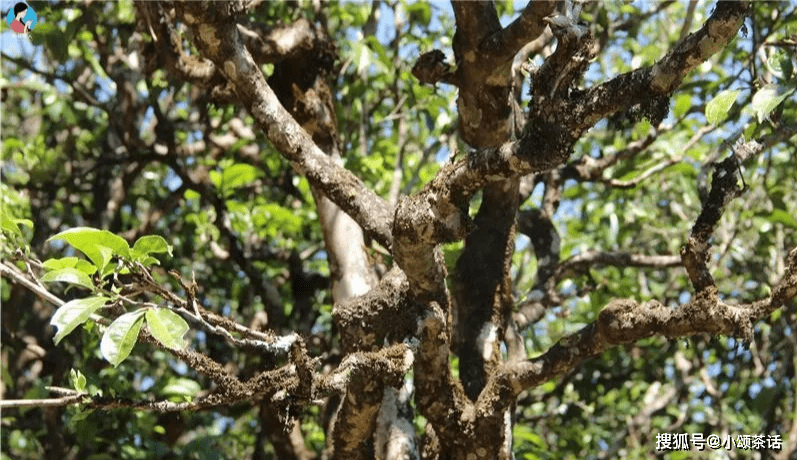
{"points": [[399, 230]]}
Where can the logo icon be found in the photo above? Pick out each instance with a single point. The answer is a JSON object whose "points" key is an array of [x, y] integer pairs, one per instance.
{"points": [[21, 18]]}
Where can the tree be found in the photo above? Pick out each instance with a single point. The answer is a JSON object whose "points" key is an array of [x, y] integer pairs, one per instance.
{"points": [[304, 229]]}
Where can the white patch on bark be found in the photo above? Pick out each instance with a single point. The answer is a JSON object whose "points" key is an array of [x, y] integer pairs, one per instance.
{"points": [[394, 437], [487, 338]]}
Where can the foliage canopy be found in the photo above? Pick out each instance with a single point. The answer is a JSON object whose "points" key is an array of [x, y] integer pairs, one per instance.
{"points": [[398, 229]]}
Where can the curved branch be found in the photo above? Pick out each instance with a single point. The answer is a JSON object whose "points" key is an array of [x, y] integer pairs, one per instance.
{"points": [[527, 27], [620, 259], [666, 75], [216, 34], [626, 321]]}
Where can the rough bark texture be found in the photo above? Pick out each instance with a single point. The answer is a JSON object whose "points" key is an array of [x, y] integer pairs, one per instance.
{"points": [[407, 319], [463, 421]]}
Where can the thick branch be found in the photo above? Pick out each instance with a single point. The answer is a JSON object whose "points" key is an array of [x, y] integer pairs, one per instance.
{"points": [[481, 285], [695, 255], [666, 75], [626, 321], [218, 38], [365, 321], [545, 145], [527, 27], [370, 372], [439, 397]]}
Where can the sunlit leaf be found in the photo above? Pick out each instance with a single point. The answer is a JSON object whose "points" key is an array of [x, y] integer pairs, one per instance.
{"points": [[683, 102], [70, 262], [78, 380], [167, 326], [9, 225], [179, 386], [238, 175], [769, 97], [98, 245], [147, 245], [780, 216], [717, 108], [121, 336], [74, 313], [362, 57], [68, 275]]}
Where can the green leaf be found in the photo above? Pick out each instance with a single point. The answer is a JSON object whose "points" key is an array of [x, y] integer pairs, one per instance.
{"points": [[12, 225], [422, 11], [63, 262], [121, 336], [275, 219], [105, 254], [781, 65], [148, 261], [684, 169], [683, 103], [373, 162], [215, 178], [78, 380], [167, 326], [717, 108], [70, 262], [68, 275], [98, 245], [190, 195], [180, 386], [769, 97], [74, 313], [237, 175], [779, 216], [786, 66], [362, 57], [147, 245]]}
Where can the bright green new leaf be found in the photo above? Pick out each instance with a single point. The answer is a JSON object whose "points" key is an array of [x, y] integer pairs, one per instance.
{"points": [[237, 175], [70, 262], [63, 262], [121, 336], [780, 216], [191, 195], [769, 97], [9, 226], [717, 108], [74, 313], [12, 225], [683, 103], [215, 178], [68, 275], [148, 261], [275, 219], [167, 326], [105, 256], [147, 245], [180, 386], [91, 242], [78, 380]]}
